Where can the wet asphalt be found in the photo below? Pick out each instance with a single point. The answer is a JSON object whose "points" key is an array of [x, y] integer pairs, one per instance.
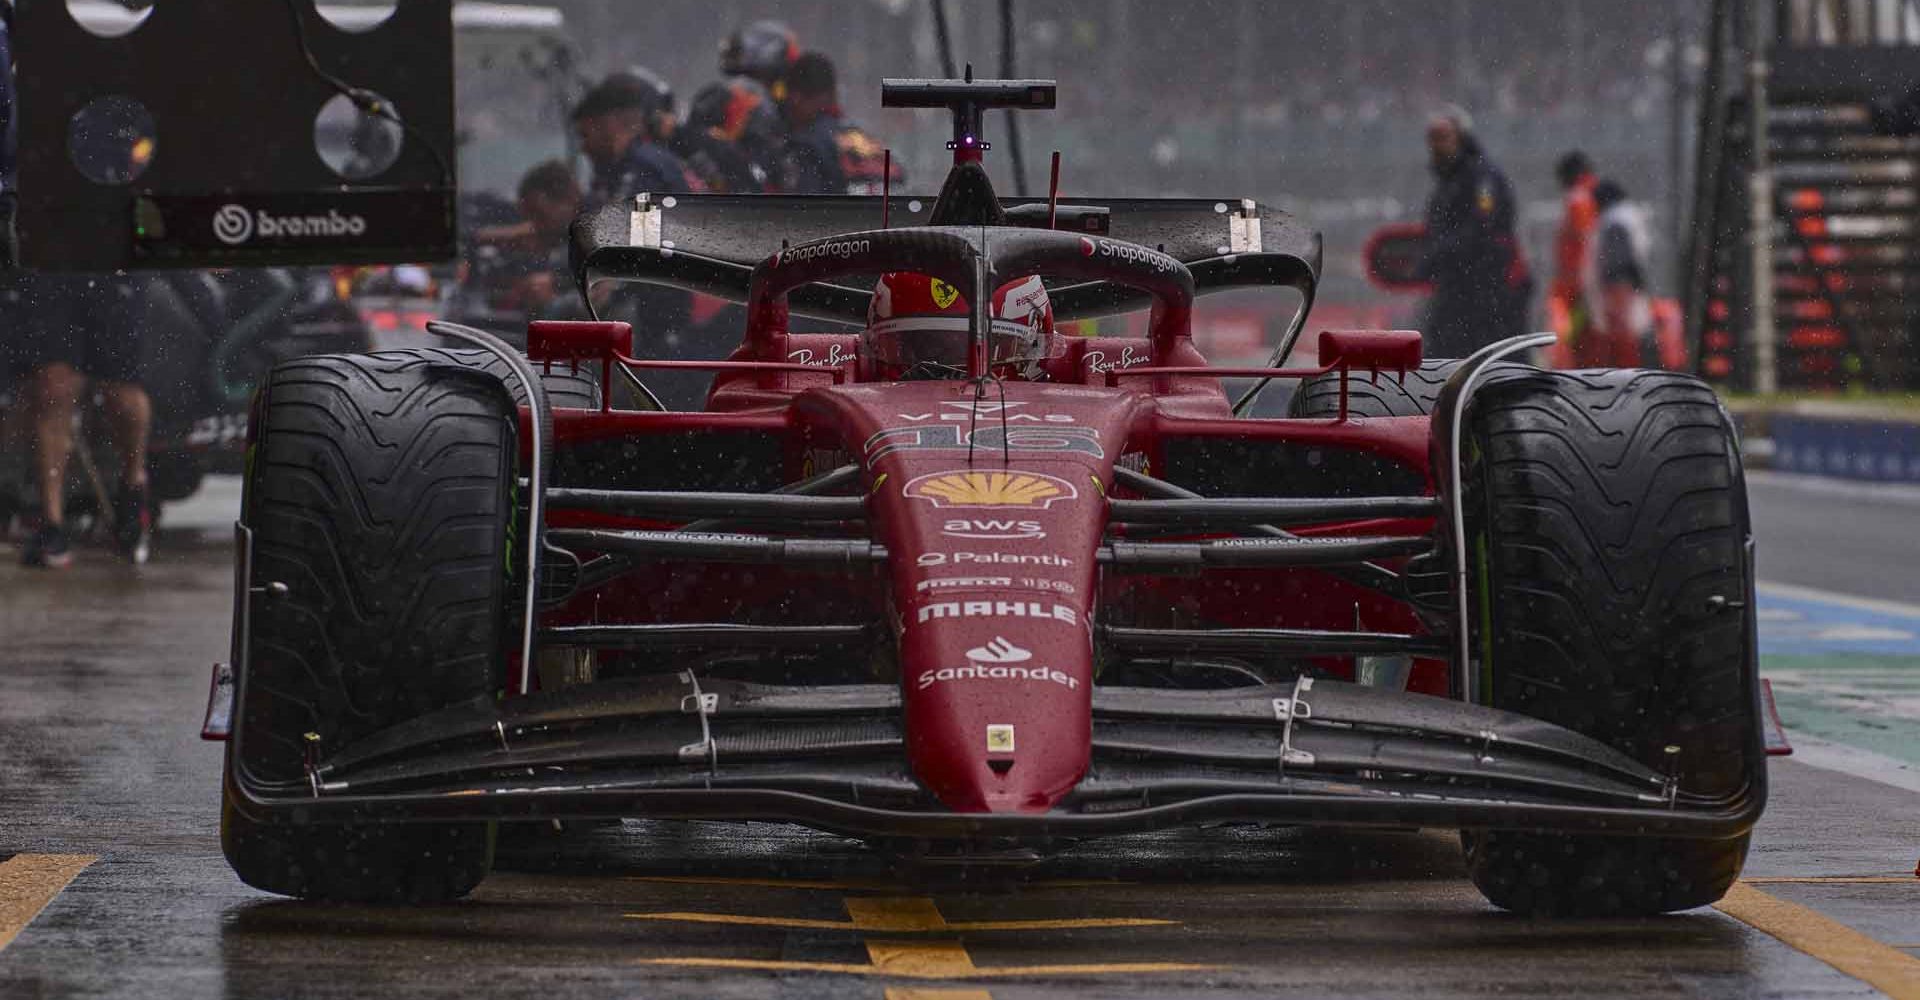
{"points": [[103, 674]]}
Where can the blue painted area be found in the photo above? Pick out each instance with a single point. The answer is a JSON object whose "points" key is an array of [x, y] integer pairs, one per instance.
{"points": [[1879, 450], [1800, 627]]}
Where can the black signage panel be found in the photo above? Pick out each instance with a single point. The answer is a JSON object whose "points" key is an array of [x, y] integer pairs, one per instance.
{"points": [[357, 226]]}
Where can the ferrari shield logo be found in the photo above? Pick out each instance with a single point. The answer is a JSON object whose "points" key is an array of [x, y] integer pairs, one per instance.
{"points": [[943, 293], [961, 488], [999, 738]]}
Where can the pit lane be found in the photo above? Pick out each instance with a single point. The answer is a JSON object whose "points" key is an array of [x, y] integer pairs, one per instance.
{"points": [[118, 887]]}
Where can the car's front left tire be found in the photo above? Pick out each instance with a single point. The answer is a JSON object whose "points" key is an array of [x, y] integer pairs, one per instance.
{"points": [[380, 492]]}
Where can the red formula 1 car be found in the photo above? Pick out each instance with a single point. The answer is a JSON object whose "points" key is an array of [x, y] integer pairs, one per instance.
{"points": [[962, 586]]}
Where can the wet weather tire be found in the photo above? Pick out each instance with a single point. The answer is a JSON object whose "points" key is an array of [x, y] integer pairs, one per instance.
{"points": [[1387, 396], [380, 492], [1611, 593]]}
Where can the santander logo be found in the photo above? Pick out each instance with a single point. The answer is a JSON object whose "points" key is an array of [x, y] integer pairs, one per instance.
{"points": [[1000, 650]]}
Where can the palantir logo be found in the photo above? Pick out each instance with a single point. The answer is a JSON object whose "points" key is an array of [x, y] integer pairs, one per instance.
{"points": [[233, 225]]}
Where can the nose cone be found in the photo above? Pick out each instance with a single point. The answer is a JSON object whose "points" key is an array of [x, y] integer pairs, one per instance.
{"points": [[998, 708]]}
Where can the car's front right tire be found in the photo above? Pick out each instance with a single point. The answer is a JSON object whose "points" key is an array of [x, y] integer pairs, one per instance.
{"points": [[1611, 593]]}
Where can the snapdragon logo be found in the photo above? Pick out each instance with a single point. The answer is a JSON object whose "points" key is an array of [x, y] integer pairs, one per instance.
{"points": [[838, 248], [1127, 252], [234, 225]]}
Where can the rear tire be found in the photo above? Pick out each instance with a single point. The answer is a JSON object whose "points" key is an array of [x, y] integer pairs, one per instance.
{"points": [[380, 491], [1607, 529]]}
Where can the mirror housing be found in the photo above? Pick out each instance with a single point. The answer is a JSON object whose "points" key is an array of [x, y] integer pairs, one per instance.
{"points": [[578, 340], [1376, 350]]}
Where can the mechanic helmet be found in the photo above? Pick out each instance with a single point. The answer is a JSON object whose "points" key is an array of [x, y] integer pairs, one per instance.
{"points": [[762, 50], [918, 326]]}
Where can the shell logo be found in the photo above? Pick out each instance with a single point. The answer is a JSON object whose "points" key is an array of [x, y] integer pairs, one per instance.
{"points": [[963, 488]]}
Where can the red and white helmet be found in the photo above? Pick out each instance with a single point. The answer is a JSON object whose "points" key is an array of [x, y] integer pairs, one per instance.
{"points": [[919, 327]]}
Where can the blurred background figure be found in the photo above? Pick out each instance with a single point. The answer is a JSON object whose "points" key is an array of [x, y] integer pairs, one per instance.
{"points": [[1621, 335], [732, 137], [1481, 286], [81, 327], [762, 52], [1569, 311], [826, 153], [624, 125], [521, 268]]}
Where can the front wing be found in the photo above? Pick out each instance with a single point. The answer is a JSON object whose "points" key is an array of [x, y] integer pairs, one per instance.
{"points": [[1307, 752]]}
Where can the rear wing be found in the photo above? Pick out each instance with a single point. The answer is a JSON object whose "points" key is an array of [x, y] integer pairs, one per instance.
{"points": [[711, 244]]}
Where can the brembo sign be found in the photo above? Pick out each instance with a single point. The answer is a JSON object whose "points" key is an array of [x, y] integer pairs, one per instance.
{"points": [[235, 224]]}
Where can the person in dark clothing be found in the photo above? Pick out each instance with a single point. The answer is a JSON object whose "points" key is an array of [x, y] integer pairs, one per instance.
{"points": [[733, 136], [826, 154], [754, 62], [1481, 285], [624, 124]]}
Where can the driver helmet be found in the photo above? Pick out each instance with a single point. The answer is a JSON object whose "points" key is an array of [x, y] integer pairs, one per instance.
{"points": [[918, 326]]}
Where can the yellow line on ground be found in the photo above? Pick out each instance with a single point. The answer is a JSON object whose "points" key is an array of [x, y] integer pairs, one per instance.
{"points": [[1893, 972], [796, 923], [966, 926], [845, 968], [1066, 924], [28, 882], [962, 926], [915, 993], [1098, 969], [763, 965], [912, 959], [763, 883], [946, 959], [920, 959], [895, 913], [1834, 880], [856, 885]]}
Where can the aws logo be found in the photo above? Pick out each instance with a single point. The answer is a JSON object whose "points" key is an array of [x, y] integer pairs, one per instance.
{"points": [[964, 488], [981, 527]]}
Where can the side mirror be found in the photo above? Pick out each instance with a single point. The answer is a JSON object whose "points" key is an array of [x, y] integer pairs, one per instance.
{"points": [[1392, 257], [1375, 350], [578, 340]]}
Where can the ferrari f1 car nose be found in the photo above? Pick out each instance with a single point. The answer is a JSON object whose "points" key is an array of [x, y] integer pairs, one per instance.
{"points": [[1004, 726]]}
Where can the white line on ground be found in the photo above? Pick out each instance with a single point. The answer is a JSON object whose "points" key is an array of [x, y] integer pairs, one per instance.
{"points": [[1795, 592], [1858, 763]]}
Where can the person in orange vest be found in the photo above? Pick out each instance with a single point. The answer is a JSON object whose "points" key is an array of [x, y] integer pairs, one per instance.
{"points": [[1569, 303]]}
